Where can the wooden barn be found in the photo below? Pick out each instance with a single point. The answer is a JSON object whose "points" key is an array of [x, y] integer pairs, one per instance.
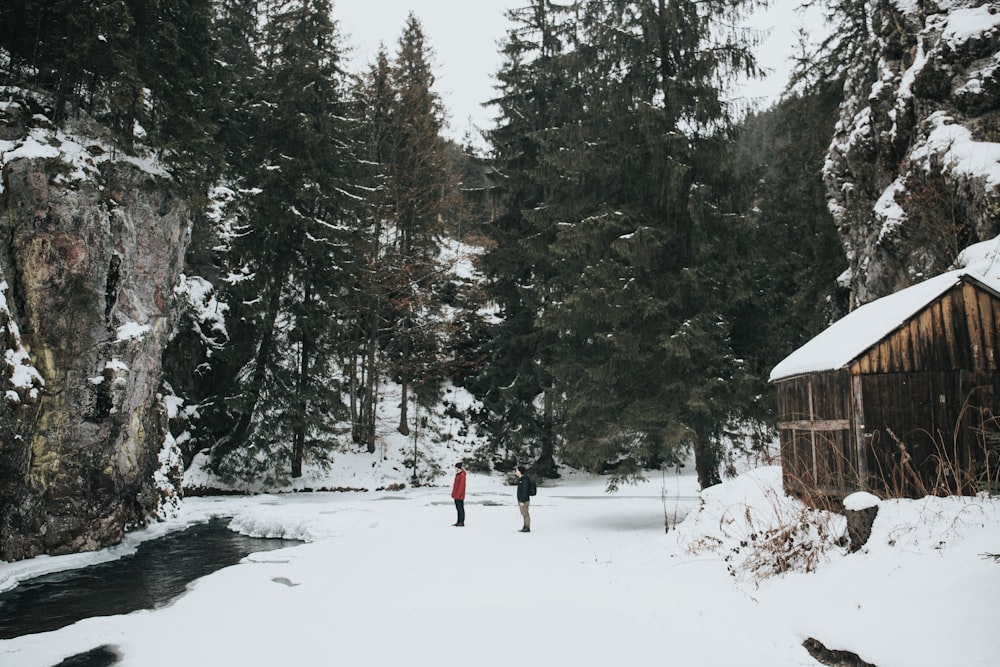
{"points": [[900, 398]]}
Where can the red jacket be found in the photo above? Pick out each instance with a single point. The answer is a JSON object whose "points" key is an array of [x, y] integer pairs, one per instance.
{"points": [[458, 488]]}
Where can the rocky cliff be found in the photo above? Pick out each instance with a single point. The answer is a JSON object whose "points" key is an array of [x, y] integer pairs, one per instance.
{"points": [[913, 172], [91, 247]]}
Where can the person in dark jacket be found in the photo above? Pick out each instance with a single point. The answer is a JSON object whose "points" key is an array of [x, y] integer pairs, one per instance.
{"points": [[458, 493], [523, 497]]}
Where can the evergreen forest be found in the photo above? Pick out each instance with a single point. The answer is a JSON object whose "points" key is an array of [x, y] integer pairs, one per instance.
{"points": [[647, 249]]}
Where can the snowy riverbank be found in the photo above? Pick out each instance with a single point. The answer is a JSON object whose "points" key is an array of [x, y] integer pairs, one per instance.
{"points": [[385, 579]]}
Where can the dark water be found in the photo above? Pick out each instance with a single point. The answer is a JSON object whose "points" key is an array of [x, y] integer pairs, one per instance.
{"points": [[155, 575]]}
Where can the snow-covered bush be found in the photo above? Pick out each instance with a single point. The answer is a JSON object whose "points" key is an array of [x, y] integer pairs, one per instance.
{"points": [[759, 530]]}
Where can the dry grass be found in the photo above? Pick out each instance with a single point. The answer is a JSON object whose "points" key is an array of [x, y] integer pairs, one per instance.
{"points": [[770, 535], [918, 464]]}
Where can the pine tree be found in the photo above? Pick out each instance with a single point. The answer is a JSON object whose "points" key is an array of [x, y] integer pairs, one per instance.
{"points": [[294, 250], [236, 72], [175, 52], [420, 189], [77, 51], [369, 323], [788, 256], [826, 64], [795, 243], [628, 166], [143, 68], [532, 85]]}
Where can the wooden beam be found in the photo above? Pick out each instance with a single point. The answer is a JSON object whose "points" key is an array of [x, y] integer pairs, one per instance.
{"points": [[860, 443], [812, 434], [815, 425]]}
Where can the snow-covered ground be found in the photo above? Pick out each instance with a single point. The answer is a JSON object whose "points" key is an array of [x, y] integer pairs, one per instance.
{"points": [[386, 580]]}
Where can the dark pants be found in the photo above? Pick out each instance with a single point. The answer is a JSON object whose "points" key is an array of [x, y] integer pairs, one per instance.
{"points": [[460, 506]]}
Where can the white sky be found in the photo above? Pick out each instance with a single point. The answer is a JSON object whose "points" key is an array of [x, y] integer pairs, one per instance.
{"points": [[465, 34]]}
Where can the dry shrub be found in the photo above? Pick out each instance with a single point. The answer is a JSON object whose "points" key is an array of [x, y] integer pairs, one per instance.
{"points": [[794, 538], [769, 534], [948, 470]]}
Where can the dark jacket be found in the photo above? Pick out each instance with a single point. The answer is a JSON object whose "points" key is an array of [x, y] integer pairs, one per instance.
{"points": [[522, 489]]}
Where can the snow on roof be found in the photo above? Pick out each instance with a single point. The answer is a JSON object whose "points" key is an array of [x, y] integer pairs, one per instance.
{"points": [[847, 338]]}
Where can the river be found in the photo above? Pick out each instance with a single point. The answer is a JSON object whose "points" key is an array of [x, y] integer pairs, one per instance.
{"points": [[155, 575]]}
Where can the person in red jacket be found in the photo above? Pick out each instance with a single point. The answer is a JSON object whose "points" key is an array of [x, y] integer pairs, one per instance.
{"points": [[458, 493]]}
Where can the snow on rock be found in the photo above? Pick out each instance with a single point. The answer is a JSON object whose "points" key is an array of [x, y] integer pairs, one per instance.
{"points": [[950, 146], [888, 209], [983, 258], [24, 378], [913, 170], [207, 311], [966, 23], [132, 330], [861, 500], [166, 478]]}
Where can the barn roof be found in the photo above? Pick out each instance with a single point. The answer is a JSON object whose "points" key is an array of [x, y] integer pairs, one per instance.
{"points": [[852, 335]]}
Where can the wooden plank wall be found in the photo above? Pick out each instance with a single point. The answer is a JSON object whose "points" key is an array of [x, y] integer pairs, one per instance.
{"points": [[815, 433], [925, 392], [921, 401], [960, 330], [922, 433], [910, 420]]}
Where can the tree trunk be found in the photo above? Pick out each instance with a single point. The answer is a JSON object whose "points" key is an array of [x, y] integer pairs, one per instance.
{"points": [[404, 379], [370, 395], [706, 463], [354, 386], [365, 359], [298, 450], [404, 427], [545, 465], [299, 441]]}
